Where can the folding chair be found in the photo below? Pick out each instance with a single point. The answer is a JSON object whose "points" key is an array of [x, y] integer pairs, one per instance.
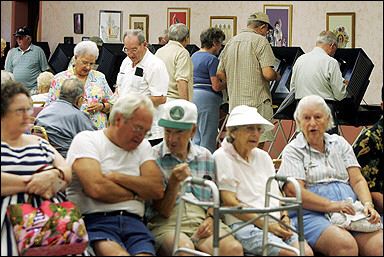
{"points": [[40, 132]]}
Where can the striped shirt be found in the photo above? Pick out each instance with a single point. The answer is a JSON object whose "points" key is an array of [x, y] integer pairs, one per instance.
{"points": [[21, 161], [242, 60], [200, 163], [305, 163], [26, 66]]}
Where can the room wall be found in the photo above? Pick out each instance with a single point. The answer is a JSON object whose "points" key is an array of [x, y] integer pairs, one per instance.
{"points": [[309, 18]]}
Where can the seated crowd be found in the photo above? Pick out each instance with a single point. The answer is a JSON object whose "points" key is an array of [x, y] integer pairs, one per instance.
{"points": [[122, 159]]}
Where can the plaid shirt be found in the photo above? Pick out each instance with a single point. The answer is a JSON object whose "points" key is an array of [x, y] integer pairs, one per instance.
{"points": [[200, 163]]}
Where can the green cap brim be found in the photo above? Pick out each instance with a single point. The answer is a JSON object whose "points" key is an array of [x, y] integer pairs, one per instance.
{"points": [[175, 125]]}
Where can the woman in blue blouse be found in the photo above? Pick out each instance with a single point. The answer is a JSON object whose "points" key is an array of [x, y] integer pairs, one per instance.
{"points": [[207, 87]]}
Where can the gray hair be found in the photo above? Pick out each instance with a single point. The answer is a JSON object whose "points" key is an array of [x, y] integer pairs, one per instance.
{"points": [[312, 100], [6, 76], [326, 37], [178, 32], [228, 135], [127, 104], [44, 81], [137, 33], [86, 47], [71, 90]]}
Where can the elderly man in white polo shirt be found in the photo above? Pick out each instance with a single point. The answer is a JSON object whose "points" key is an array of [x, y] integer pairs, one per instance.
{"points": [[243, 171], [143, 73]]}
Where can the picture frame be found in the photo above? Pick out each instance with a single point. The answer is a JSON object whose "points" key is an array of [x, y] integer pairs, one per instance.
{"points": [[78, 21], [280, 18], [110, 26], [140, 21], [178, 15], [228, 24], [343, 25]]}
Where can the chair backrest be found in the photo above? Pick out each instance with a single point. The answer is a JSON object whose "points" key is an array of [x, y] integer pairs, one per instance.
{"points": [[38, 103], [40, 132]]}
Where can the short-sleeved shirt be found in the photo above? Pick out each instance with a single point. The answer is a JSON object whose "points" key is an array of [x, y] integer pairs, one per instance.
{"points": [[96, 89], [153, 82], [97, 146], [179, 66], [200, 162], [317, 73], [242, 60], [302, 162], [204, 67], [246, 179], [26, 66], [63, 121], [369, 150]]}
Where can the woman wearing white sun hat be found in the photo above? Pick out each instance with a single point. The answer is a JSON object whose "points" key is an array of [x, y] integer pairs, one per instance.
{"points": [[242, 171]]}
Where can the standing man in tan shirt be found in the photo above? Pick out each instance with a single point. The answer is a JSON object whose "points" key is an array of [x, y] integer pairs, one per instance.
{"points": [[178, 62], [246, 64]]}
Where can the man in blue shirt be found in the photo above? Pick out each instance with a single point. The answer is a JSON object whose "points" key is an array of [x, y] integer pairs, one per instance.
{"points": [[63, 119]]}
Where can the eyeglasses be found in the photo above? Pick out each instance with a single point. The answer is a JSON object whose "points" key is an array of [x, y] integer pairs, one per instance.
{"points": [[85, 63], [252, 129], [22, 111], [140, 130], [127, 51]]}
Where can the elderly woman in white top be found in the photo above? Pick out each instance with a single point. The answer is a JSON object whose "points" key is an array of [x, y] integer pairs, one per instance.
{"points": [[243, 171], [329, 174]]}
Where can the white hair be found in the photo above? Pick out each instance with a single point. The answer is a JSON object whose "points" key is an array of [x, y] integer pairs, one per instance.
{"points": [[313, 100], [6, 75], [127, 104], [86, 47], [44, 81]]}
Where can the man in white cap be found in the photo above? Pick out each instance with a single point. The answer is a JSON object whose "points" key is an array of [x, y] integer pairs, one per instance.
{"points": [[246, 64], [179, 158], [243, 171]]}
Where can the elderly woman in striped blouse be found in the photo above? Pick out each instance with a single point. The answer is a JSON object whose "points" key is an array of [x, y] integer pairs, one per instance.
{"points": [[30, 166], [329, 174]]}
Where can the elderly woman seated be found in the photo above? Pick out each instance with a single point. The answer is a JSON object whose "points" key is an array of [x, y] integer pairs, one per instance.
{"points": [[243, 171], [43, 85], [329, 174], [30, 166]]}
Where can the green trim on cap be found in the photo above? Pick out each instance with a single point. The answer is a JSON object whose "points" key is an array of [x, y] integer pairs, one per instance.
{"points": [[174, 124]]}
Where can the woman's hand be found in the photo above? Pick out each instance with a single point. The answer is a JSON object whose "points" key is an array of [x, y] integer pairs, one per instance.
{"points": [[46, 183], [95, 107], [369, 211], [343, 207], [279, 230]]}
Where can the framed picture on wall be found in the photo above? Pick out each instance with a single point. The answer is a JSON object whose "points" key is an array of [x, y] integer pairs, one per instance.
{"points": [[78, 20], [178, 15], [280, 17], [343, 25], [110, 26], [228, 24], [140, 21]]}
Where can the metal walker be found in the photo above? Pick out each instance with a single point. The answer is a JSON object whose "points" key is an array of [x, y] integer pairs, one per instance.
{"points": [[287, 203]]}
